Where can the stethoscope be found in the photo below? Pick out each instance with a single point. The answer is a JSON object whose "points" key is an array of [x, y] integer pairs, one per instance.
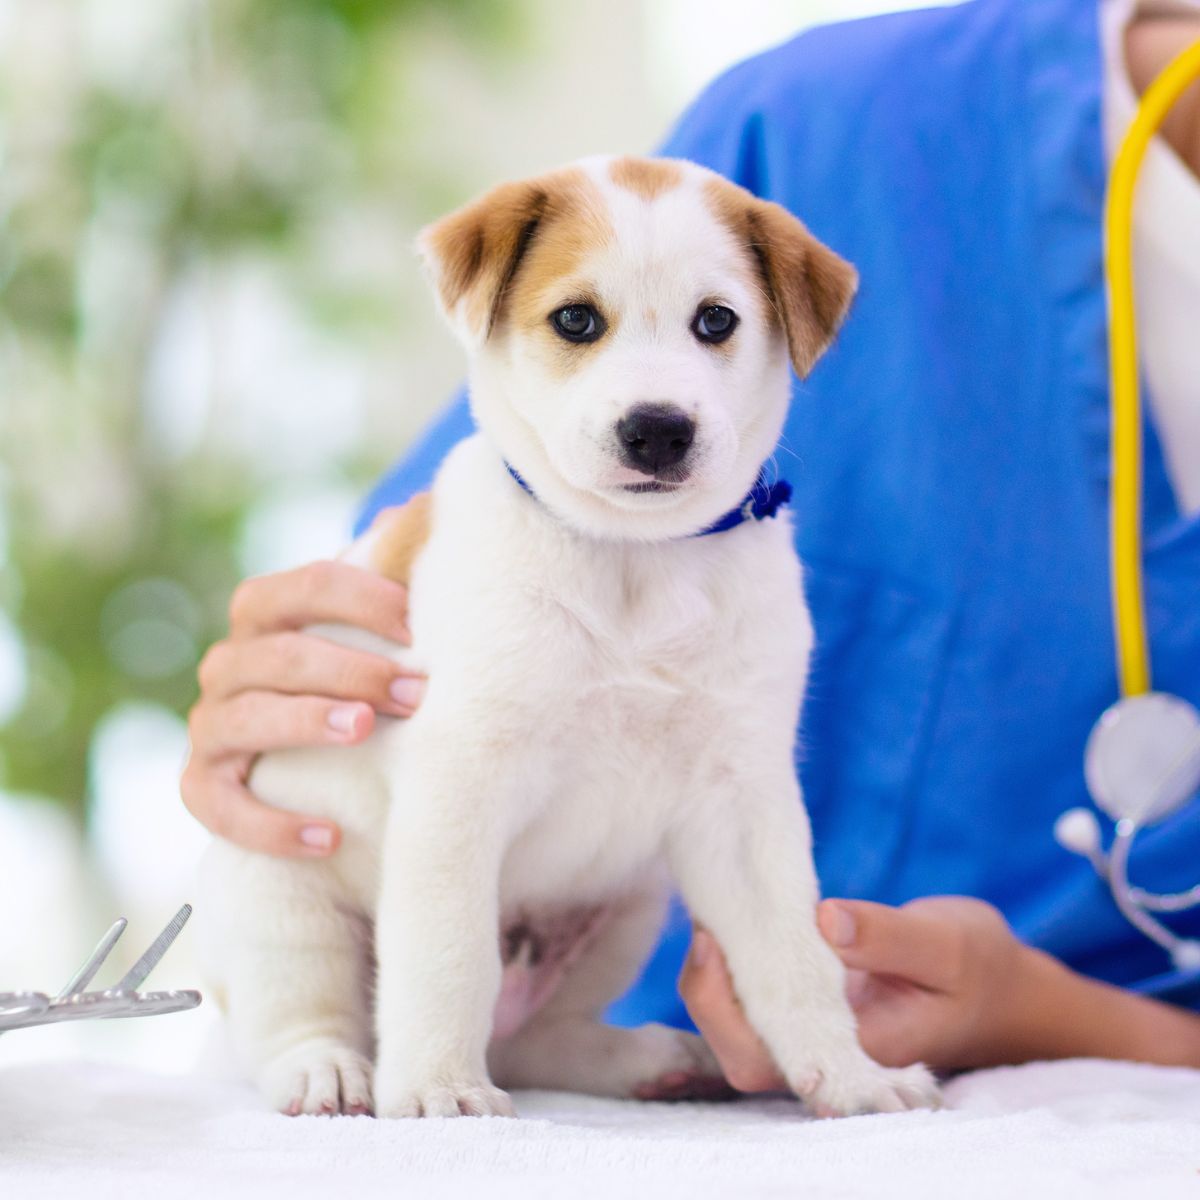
{"points": [[1142, 760]]}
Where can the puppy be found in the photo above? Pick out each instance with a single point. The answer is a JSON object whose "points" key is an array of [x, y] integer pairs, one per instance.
{"points": [[610, 612]]}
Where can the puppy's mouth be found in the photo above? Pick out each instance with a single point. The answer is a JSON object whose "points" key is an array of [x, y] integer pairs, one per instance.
{"points": [[650, 486], [662, 482]]}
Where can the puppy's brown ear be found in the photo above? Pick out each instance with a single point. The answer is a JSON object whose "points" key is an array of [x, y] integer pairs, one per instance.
{"points": [[810, 286], [473, 253]]}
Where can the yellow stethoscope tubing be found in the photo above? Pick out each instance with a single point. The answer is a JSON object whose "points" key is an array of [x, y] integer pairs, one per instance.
{"points": [[1125, 500]]}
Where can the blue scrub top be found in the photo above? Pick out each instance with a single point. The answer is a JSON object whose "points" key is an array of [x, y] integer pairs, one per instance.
{"points": [[951, 469]]}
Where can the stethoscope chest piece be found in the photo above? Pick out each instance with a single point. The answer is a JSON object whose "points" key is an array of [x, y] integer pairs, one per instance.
{"points": [[1142, 763], [1142, 760]]}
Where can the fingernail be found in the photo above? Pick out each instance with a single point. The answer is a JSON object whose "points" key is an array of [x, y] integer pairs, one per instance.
{"points": [[857, 988], [317, 837], [837, 924], [407, 691], [342, 718], [701, 947]]}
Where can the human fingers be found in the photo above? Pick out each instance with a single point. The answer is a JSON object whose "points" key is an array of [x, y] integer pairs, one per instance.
{"points": [[216, 796], [255, 721], [304, 664], [707, 990], [917, 945], [899, 1023], [329, 590]]}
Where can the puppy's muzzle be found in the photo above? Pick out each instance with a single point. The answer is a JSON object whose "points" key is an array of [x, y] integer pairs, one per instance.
{"points": [[655, 439]]}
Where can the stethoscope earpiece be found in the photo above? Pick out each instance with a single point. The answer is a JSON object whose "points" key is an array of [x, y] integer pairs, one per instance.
{"points": [[1078, 830]]}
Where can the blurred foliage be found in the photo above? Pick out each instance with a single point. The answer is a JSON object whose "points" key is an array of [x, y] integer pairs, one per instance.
{"points": [[240, 128]]}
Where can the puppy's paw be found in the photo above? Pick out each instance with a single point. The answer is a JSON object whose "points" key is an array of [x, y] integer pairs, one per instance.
{"points": [[457, 1099], [683, 1069], [319, 1078], [863, 1086]]}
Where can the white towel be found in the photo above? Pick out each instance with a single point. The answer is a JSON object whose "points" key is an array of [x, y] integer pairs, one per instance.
{"points": [[1062, 1130]]}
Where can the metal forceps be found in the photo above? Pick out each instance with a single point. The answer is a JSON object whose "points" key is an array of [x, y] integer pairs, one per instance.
{"points": [[18, 1010]]}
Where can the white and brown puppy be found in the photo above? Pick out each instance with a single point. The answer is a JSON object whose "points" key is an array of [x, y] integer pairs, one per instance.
{"points": [[612, 701]]}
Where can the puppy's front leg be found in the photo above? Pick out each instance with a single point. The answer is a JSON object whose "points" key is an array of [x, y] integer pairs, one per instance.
{"points": [[743, 860], [436, 935]]}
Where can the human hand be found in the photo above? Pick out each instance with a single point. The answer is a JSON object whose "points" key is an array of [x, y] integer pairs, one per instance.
{"points": [[269, 685], [941, 980]]}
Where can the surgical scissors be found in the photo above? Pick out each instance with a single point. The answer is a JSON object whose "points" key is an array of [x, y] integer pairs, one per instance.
{"points": [[20, 1010]]}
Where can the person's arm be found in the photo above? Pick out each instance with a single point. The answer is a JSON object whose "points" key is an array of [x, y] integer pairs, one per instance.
{"points": [[944, 981]]}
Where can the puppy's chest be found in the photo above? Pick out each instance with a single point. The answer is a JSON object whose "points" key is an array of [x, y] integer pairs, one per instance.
{"points": [[636, 697], [637, 632]]}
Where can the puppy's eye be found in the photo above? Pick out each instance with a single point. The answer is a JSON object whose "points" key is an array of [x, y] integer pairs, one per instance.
{"points": [[577, 323], [714, 323]]}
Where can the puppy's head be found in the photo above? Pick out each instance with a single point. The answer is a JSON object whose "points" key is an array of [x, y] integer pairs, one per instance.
{"points": [[629, 324]]}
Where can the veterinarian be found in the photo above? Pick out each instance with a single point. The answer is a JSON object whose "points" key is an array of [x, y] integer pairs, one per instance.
{"points": [[951, 464]]}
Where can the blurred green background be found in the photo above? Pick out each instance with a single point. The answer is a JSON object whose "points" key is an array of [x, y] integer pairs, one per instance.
{"points": [[233, 171], [213, 336]]}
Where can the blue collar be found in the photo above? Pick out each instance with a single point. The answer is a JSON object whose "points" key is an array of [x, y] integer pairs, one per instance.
{"points": [[762, 500]]}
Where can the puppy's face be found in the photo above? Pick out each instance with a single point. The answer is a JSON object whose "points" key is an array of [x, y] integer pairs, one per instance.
{"points": [[629, 323]]}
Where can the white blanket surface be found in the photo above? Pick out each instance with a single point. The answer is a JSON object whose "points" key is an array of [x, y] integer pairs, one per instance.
{"points": [[1061, 1130]]}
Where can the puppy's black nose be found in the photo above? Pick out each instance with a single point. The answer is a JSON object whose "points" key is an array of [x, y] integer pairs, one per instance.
{"points": [[654, 436]]}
